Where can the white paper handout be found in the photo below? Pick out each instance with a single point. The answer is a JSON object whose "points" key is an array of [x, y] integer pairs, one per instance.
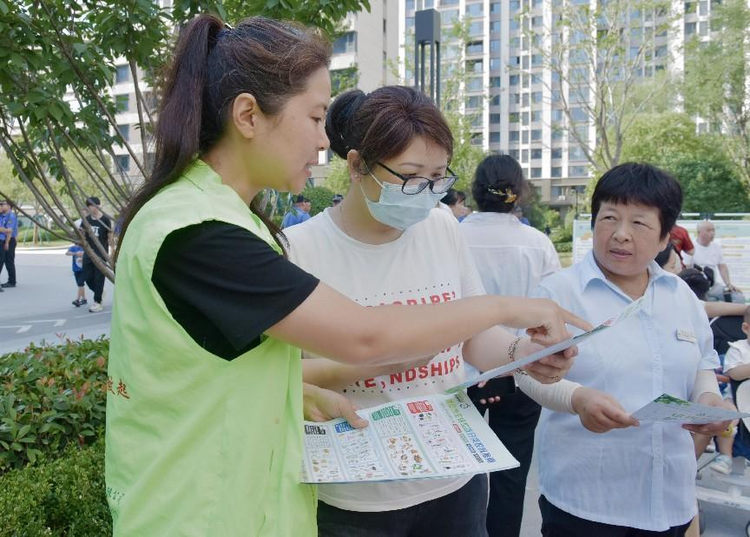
{"points": [[421, 437], [671, 409], [548, 351]]}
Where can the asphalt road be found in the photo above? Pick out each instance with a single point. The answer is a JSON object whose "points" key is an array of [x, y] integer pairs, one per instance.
{"points": [[39, 309]]}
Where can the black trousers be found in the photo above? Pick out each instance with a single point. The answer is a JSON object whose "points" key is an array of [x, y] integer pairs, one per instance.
{"points": [[94, 278], [558, 523], [8, 259], [513, 420]]}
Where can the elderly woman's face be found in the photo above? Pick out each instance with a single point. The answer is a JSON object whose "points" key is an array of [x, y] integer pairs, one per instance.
{"points": [[627, 238]]}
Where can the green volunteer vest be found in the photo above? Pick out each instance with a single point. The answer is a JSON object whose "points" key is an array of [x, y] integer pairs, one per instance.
{"points": [[197, 445]]}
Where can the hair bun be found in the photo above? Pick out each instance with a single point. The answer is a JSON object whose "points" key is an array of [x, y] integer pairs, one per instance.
{"points": [[340, 118]]}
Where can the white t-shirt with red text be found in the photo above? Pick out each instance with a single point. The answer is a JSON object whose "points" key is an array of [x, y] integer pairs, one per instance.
{"points": [[430, 263]]}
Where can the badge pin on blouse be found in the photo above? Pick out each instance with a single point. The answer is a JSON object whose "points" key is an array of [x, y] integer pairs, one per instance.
{"points": [[686, 335]]}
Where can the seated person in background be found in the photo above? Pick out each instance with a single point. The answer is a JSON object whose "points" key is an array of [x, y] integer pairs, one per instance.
{"points": [[737, 361], [639, 478], [680, 239], [708, 254]]}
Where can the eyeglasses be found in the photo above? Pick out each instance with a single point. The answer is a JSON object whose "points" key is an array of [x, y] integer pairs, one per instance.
{"points": [[415, 185]]}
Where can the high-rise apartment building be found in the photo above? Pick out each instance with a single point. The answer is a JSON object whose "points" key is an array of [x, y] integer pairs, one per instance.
{"points": [[514, 96]]}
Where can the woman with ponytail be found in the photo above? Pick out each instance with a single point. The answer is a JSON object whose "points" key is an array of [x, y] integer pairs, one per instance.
{"points": [[512, 258], [386, 244], [205, 398]]}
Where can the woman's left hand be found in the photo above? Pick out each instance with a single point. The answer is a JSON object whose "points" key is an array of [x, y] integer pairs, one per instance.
{"points": [[718, 427], [550, 369], [323, 405]]}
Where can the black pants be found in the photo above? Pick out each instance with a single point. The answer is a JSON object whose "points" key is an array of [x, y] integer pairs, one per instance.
{"points": [[459, 514], [94, 278], [558, 523], [8, 259], [513, 420]]}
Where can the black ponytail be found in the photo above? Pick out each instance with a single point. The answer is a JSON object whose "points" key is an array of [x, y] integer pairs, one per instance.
{"points": [[212, 65]]}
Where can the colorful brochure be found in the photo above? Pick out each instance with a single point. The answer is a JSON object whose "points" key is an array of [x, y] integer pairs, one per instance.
{"points": [[548, 351], [671, 409], [422, 437]]}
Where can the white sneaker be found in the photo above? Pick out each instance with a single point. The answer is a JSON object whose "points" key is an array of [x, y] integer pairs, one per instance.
{"points": [[710, 447], [722, 464], [95, 307]]}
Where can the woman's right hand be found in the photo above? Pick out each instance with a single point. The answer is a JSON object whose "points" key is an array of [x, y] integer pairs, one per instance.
{"points": [[544, 320], [600, 412]]}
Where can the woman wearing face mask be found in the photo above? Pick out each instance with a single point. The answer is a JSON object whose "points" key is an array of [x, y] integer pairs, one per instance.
{"points": [[384, 244]]}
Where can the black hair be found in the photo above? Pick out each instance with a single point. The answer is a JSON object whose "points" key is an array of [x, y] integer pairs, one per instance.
{"points": [[498, 184], [697, 281], [299, 198], [93, 200], [640, 183], [212, 65], [663, 256], [382, 124], [453, 196]]}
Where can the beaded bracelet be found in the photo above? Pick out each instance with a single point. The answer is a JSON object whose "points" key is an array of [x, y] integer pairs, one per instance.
{"points": [[512, 352]]}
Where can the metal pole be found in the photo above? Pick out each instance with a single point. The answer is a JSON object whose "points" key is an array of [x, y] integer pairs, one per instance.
{"points": [[432, 70], [437, 74], [422, 47]]}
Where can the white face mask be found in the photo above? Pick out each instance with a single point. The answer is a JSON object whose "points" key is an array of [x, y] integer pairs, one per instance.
{"points": [[399, 210]]}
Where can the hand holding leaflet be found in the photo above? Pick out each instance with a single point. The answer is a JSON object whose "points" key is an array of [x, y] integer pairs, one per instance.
{"points": [[666, 408], [548, 351]]}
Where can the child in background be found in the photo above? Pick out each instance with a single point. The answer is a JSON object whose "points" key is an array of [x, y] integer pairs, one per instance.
{"points": [[76, 251]]}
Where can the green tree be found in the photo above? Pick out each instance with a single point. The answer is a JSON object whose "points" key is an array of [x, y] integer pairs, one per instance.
{"points": [[710, 181], [716, 75], [53, 49], [606, 68]]}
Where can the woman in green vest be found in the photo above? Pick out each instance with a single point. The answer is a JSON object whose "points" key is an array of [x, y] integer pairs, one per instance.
{"points": [[206, 399]]}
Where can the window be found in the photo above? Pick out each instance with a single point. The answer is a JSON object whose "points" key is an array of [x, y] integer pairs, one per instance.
{"points": [[513, 117], [557, 132], [410, 5], [556, 96], [525, 99], [348, 42], [515, 5], [494, 119], [495, 101], [525, 119], [524, 155], [537, 22], [536, 135], [525, 136], [474, 10], [475, 66], [122, 102], [556, 171], [536, 79], [514, 153], [495, 45], [690, 28], [557, 115], [557, 152], [448, 2], [495, 27], [525, 62], [577, 171], [122, 74], [513, 136], [578, 115], [536, 154], [495, 81], [474, 84], [513, 80], [690, 7], [495, 8], [449, 16], [536, 115], [477, 138], [515, 98], [494, 137], [575, 152], [474, 102], [536, 60], [536, 173], [475, 47], [536, 97], [409, 23], [122, 162], [125, 131], [514, 25], [475, 29], [703, 8], [495, 64]]}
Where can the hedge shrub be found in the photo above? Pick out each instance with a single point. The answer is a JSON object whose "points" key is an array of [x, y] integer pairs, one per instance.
{"points": [[62, 497], [51, 397]]}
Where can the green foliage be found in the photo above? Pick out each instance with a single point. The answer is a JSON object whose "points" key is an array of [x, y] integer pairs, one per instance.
{"points": [[344, 79], [709, 180], [320, 197], [716, 74], [62, 497], [533, 209], [338, 179], [51, 397]]}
